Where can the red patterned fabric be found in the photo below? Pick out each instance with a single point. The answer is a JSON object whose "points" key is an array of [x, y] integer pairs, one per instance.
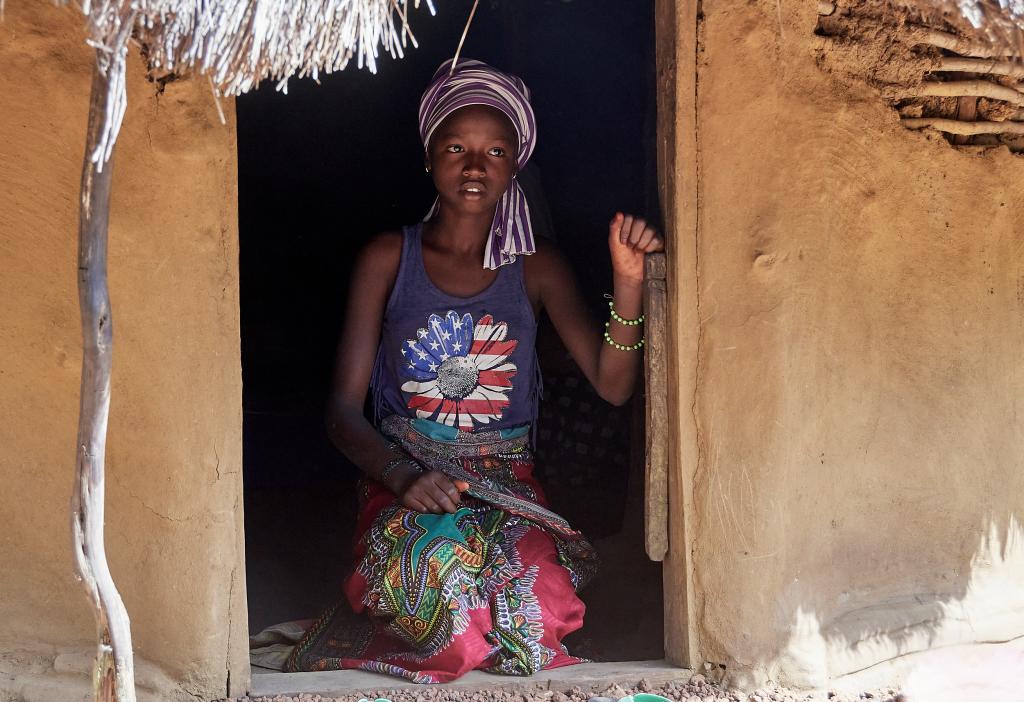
{"points": [[435, 596]]}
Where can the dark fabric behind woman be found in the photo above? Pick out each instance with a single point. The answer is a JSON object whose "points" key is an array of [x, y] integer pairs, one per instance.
{"points": [[329, 165]]}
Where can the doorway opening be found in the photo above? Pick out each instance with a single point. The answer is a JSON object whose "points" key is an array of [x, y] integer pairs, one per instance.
{"points": [[322, 170]]}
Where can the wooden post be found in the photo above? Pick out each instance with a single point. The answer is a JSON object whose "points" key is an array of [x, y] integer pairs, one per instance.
{"points": [[966, 111], [677, 39], [113, 674], [657, 436]]}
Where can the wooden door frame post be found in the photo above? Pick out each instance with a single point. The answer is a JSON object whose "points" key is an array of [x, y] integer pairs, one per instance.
{"points": [[676, 27], [113, 674]]}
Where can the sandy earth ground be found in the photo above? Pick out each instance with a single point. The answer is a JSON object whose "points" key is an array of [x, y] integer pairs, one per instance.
{"points": [[697, 689]]}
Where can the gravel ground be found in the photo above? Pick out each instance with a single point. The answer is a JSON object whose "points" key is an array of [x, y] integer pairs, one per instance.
{"points": [[698, 689]]}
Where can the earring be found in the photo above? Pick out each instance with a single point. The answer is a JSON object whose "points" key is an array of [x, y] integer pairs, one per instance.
{"points": [[427, 169]]}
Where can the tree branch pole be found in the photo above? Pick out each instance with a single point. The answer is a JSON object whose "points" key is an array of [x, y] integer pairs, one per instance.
{"points": [[952, 126], [113, 674], [968, 88], [954, 64]]}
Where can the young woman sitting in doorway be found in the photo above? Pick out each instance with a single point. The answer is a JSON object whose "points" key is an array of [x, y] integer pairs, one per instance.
{"points": [[460, 565]]}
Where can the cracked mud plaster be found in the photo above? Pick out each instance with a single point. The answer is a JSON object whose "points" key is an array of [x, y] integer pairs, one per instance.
{"points": [[173, 521], [884, 335]]}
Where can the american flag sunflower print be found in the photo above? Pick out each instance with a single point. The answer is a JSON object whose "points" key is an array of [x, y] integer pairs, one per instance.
{"points": [[460, 372]]}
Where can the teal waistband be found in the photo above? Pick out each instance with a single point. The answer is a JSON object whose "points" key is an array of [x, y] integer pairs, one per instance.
{"points": [[443, 432]]}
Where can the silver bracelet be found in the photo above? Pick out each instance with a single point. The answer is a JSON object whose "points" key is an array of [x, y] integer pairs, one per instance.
{"points": [[394, 463]]}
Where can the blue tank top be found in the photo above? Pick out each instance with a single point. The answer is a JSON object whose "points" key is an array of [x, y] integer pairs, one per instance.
{"points": [[464, 362]]}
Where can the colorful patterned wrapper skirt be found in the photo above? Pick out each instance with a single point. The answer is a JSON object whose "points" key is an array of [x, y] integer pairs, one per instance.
{"points": [[491, 587]]}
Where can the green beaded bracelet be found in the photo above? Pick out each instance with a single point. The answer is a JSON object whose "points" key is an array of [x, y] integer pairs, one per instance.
{"points": [[622, 347], [622, 320]]}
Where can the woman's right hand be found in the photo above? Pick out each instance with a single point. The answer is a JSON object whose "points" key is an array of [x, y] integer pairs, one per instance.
{"points": [[432, 492]]}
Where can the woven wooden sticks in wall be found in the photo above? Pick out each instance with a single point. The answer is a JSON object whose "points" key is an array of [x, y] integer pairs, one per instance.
{"points": [[952, 67], [998, 24]]}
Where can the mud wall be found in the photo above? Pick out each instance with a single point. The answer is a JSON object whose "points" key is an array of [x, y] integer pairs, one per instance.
{"points": [[859, 484], [174, 538]]}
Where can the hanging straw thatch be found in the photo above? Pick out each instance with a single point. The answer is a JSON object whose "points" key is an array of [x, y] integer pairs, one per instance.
{"points": [[238, 43]]}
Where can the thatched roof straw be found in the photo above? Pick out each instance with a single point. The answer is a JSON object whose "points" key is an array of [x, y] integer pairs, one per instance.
{"points": [[238, 43]]}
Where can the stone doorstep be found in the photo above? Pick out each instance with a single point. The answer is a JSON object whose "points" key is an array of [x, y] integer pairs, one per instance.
{"points": [[594, 677]]}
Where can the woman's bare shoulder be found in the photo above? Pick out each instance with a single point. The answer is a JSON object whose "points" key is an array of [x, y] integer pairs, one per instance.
{"points": [[382, 253], [386, 244]]}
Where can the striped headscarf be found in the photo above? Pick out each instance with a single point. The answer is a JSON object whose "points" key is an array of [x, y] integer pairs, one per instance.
{"points": [[476, 83]]}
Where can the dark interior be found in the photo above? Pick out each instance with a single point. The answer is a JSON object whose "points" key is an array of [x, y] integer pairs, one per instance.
{"points": [[328, 165]]}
